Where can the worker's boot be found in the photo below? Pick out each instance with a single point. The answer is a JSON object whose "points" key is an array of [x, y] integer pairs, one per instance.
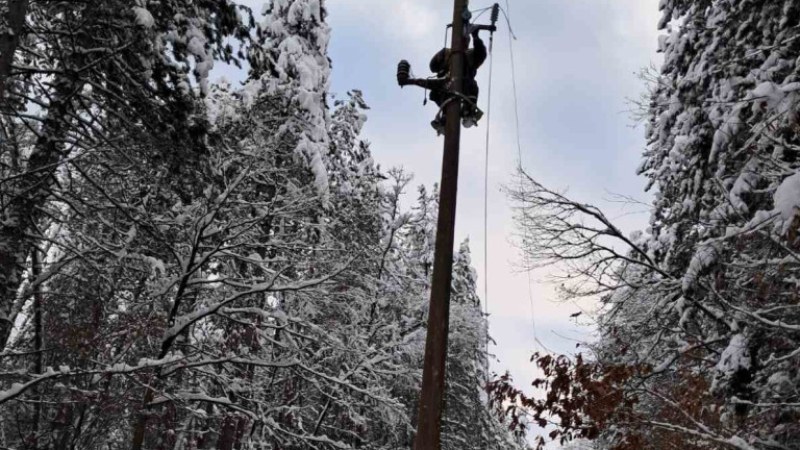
{"points": [[438, 124], [403, 73], [471, 117]]}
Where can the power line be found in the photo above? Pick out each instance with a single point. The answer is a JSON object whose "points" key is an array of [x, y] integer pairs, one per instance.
{"points": [[486, 183], [520, 166]]}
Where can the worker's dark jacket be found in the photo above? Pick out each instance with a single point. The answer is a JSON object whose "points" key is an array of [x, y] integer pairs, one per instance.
{"points": [[475, 57]]}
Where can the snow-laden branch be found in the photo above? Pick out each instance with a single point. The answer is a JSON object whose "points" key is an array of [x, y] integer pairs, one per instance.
{"points": [[181, 323], [18, 389]]}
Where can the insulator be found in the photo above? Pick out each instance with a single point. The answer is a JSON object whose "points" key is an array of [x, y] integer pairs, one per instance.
{"points": [[495, 13], [404, 68], [403, 72]]}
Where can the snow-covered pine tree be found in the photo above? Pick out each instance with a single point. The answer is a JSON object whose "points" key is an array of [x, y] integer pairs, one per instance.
{"points": [[354, 178], [291, 60], [723, 157]]}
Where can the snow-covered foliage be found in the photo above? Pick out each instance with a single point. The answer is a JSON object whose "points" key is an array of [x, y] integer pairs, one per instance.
{"points": [[83, 76], [728, 200], [703, 304], [292, 61], [194, 265]]}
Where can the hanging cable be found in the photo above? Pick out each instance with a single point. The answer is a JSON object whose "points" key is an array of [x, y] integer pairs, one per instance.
{"points": [[511, 38], [520, 166], [508, 20], [495, 13], [480, 12], [494, 17]]}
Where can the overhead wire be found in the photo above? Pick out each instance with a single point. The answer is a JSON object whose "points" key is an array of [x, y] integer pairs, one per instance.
{"points": [[486, 181], [481, 12], [511, 37], [486, 187], [520, 167]]}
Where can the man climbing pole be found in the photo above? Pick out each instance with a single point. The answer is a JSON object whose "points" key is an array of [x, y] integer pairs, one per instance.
{"points": [[441, 84]]}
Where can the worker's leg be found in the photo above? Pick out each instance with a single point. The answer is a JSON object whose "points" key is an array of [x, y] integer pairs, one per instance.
{"points": [[470, 112], [471, 90]]}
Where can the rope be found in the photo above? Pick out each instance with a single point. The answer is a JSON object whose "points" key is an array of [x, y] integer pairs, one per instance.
{"points": [[486, 183], [511, 37], [486, 193]]}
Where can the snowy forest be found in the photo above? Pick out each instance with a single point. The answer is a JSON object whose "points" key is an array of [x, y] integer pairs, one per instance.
{"points": [[192, 265], [699, 325], [188, 263]]}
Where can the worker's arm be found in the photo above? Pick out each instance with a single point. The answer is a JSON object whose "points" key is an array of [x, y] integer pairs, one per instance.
{"points": [[404, 78], [478, 50], [431, 84]]}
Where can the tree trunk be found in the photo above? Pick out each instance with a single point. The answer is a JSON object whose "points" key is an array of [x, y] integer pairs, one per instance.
{"points": [[25, 199], [9, 40], [38, 340], [228, 435], [141, 424]]}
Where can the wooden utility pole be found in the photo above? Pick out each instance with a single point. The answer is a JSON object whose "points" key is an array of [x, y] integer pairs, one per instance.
{"points": [[431, 400]]}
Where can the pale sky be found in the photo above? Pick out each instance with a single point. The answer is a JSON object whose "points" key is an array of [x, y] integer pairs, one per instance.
{"points": [[576, 64]]}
